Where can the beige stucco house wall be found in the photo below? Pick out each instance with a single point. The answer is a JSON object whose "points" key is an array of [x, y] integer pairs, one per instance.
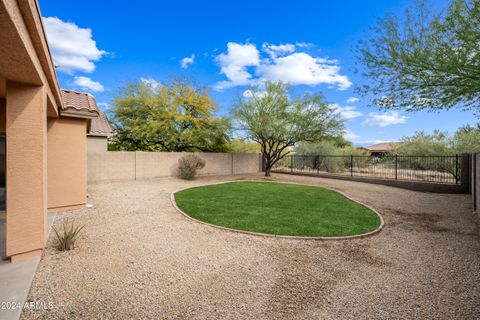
{"points": [[97, 144], [99, 132], [66, 151], [45, 131]]}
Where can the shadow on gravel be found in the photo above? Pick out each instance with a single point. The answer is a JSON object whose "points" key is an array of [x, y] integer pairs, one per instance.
{"points": [[300, 284], [308, 276], [362, 254], [424, 222]]}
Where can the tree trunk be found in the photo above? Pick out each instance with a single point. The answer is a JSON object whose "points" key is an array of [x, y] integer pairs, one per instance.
{"points": [[267, 171]]}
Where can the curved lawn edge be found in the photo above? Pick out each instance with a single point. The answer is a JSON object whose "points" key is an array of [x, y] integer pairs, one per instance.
{"points": [[356, 236]]}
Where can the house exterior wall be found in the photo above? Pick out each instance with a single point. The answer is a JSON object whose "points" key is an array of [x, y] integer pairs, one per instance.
{"points": [[26, 125], [97, 144], [29, 95], [117, 165], [67, 169]]}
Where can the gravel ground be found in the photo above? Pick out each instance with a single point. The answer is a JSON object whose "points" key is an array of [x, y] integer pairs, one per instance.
{"points": [[140, 259]]}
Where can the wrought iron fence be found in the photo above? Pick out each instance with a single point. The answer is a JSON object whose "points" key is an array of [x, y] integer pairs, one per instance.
{"points": [[440, 169]]}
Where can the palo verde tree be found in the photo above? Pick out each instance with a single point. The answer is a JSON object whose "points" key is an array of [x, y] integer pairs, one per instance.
{"points": [[175, 116], [277, 122], [425, 60]]}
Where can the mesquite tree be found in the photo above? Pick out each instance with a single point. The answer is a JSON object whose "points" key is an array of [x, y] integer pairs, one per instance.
{"points": [[424, 60], [277, 122]]}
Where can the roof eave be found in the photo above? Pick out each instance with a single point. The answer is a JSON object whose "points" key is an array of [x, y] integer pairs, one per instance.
{"points": [[78, 113], [33, 18]]}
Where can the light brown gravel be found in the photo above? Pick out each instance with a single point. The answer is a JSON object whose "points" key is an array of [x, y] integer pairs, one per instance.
{"points": [[139, 259]]}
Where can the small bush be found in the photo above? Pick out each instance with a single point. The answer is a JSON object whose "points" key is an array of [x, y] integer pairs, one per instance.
{"points": [[188, 166], [67, 236]]}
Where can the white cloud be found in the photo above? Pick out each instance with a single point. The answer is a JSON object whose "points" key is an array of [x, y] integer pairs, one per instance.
{"points": [[185, 62], [234, 64], [282, 64], [151, 82], [73, 48], [349, 135], [87, 84], [302, 68], [274, 50], [346, 113], [385, 119], [306, 45], [352, 100]]}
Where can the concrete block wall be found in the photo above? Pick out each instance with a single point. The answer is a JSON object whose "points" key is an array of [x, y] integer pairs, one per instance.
{"points": [[243, 163], [155, 164], [110, 166], [119, 165]]}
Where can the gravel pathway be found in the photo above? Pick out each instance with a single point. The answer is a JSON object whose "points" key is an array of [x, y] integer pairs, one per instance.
{"points": [[139, 259]]}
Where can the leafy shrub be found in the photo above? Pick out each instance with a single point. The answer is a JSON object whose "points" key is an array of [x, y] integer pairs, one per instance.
{"points": [[188, 166], [67, 237], [323, 155]]}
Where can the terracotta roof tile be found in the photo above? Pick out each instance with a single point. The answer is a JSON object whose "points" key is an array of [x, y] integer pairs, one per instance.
{"points": [[100, 126], [78, 100]]}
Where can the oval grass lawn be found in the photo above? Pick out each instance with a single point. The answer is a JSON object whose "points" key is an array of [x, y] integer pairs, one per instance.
{"points": [[277, 208]]}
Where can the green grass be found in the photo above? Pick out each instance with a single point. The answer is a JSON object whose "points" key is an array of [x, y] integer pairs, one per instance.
{"points": [[276, 208]]}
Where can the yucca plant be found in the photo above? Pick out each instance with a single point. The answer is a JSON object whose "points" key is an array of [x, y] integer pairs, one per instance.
{"points": [[66, 238]]}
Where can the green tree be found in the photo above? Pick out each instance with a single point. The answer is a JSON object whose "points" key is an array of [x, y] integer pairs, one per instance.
{"points": [[322, 148], [173, 117], [313, 156], [435, 144], [340, 142], [465, 140], [277, 122], [239, 145], [332, 157], [425, 60]]}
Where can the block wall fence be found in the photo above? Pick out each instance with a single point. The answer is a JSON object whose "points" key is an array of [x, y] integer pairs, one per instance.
{"points": [[123, 165]]}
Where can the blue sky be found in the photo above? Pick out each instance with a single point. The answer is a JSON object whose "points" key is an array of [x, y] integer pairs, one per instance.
{"points": [[227, 45]]}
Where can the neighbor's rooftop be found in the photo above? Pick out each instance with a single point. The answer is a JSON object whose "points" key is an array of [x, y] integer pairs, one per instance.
{"points": [[100, 126], [384, 146]]}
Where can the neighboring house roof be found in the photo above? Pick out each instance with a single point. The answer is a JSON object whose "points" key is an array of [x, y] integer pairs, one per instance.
{"points": [[79, 105], [383, 147], [100, 126]]}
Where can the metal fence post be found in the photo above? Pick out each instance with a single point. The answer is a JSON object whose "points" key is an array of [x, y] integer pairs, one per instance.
{"points": [[351, 165], [456, 168], [474, 175], [413, 168], [396, 167]]}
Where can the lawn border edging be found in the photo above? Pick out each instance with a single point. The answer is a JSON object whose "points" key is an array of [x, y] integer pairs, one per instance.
{"points": [[362, 235]]}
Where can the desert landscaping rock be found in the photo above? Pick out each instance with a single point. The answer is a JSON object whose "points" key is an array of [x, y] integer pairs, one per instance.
{"points": [[139, 259]]}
